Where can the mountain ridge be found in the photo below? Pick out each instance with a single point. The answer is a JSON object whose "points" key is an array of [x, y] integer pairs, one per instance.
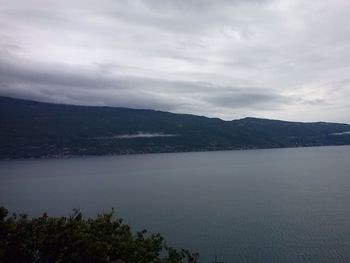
{"points": [[32, 129], [3, 98]]}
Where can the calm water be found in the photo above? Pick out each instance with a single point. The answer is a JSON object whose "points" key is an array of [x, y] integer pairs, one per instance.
{"points": [[282, 205]]}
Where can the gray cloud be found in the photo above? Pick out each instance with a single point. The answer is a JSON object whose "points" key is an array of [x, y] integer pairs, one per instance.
{"points": [[61, 83], [258, 99], [283, 59]]}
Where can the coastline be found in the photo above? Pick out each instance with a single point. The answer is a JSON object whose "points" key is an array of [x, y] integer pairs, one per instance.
{"points": [[50, 157]]}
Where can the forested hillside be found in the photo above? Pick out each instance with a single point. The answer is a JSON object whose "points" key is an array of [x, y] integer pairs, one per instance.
{"points": [[31, 129]]}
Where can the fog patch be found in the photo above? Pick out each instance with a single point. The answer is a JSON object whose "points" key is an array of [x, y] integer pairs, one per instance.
{"points": [[341, 133], [136, 136]]}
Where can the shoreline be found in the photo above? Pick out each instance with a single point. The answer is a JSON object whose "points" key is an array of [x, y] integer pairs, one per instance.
{"points": [[52, 157]]}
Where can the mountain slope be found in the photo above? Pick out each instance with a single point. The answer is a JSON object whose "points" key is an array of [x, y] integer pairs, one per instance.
{"points": [[34, 129]]}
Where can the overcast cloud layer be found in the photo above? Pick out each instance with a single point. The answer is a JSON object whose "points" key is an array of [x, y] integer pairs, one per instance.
{"points": [[283, 59]]}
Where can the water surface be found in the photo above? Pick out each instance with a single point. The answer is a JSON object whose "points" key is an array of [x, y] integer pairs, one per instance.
{"points": [[280, 205]]}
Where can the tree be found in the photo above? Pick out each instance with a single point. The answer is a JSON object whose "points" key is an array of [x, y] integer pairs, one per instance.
{"points": [[79, 239]]}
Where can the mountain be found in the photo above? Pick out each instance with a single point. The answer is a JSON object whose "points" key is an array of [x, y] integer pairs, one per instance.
{"points": [[31, 129]]}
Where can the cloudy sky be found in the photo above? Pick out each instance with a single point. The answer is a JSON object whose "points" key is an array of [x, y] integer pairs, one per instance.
{"points": [[283, 59]]}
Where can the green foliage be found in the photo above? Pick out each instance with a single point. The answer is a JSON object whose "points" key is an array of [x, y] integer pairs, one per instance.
{"points": [[78, 239]]}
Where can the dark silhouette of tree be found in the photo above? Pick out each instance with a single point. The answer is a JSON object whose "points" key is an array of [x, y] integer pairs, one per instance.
{"points": [[78, 239]]}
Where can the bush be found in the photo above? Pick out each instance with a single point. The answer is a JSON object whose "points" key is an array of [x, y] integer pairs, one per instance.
{"points": [[78, 239]]}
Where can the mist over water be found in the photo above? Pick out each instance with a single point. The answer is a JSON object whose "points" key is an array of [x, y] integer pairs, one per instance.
{"points": [[281, 205]]}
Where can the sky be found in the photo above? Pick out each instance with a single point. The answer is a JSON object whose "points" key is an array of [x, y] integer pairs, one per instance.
{"points": [[277, 59]]}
